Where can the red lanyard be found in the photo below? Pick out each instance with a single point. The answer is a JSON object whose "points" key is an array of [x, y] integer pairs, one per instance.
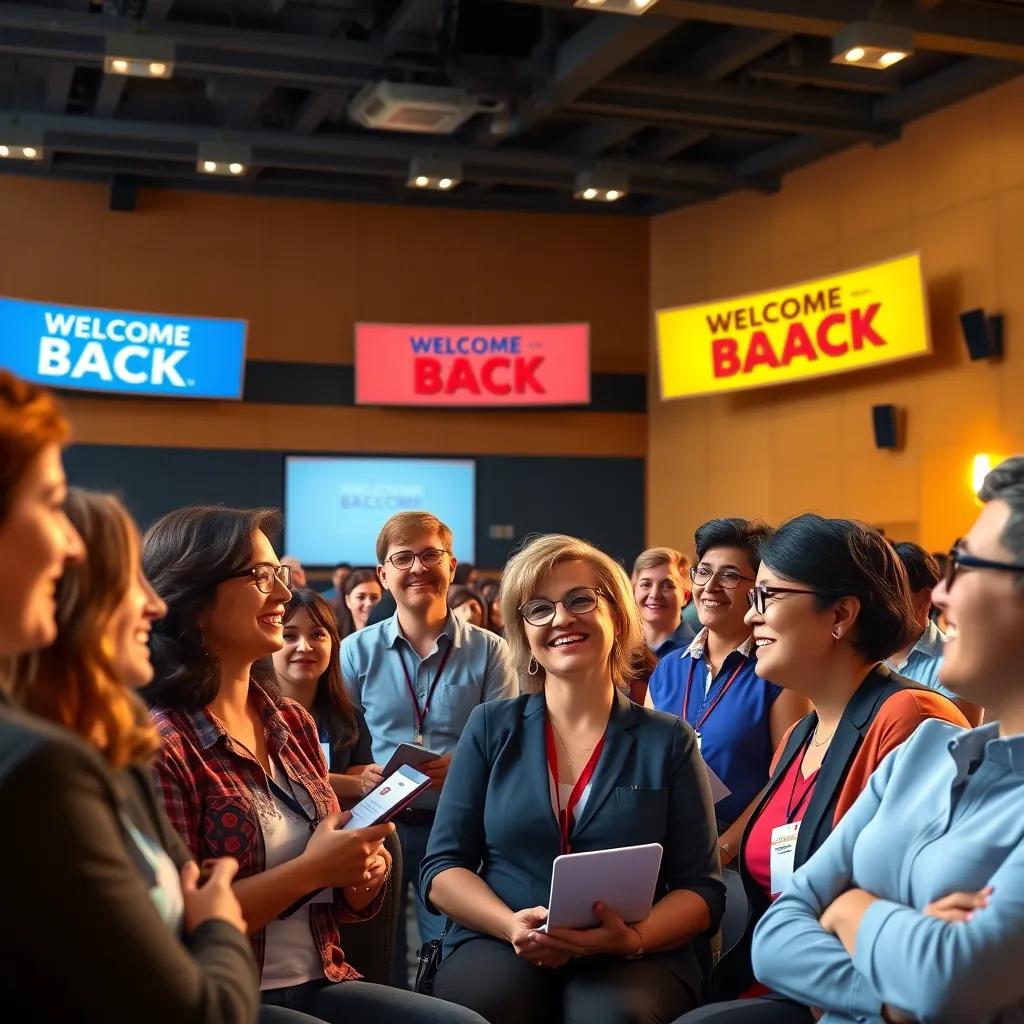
{"points": [[714, 704], [565, 814], [420, 714], [791, 811]]}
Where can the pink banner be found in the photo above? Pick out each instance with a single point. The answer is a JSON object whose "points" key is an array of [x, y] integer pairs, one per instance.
{"points": [[431, 364]]}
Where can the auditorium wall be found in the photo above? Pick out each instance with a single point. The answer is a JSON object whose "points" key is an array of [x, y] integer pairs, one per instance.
{"points": [[953, 188], [302, 274]]}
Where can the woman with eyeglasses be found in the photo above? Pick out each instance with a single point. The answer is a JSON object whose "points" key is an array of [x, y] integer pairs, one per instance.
{"points": [[572, 766], [831, 602], [739, 716], [242, 772], [914, 908]]}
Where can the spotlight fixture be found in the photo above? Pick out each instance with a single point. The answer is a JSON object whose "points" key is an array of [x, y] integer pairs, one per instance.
{"points": [[601, 186], [228, 159], [18, 143], [440, 174], [617, 6], [870, 44], [138, 56]]}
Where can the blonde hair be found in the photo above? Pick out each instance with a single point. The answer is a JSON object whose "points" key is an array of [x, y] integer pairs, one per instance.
{"points": [[406, 526], [74, 682], [653, 557], [536, 560]]}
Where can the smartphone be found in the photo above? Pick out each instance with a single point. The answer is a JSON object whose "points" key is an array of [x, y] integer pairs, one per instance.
{"points": [[408, 753], [391, 797]]}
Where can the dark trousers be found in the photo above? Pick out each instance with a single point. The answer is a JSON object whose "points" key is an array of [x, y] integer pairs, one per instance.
{"points": [[486, 975], [762, 1010], [357, 1001], [414, 847]]}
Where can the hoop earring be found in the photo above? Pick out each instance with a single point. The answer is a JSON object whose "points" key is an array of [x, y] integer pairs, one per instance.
{"points": [[534, 666]]}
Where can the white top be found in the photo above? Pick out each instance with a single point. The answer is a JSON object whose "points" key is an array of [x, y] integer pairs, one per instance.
{"points": [[565, 791], [291, 957]]}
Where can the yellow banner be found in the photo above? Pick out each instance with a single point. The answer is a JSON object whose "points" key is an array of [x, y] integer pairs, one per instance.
{"points": [[876, 314]]}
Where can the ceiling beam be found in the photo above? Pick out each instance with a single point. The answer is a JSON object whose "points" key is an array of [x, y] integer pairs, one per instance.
{"points": [[601, 47], [718, 59], [967, 27], [316, 108], [416, 17], [593, 139], [178, 142], [782, 70], [108, 96]]}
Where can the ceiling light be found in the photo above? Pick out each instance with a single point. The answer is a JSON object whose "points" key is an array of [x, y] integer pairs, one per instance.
{"points": [[441, 174], [618, 6], [890, 58], [138, 56], [601, 185], [20, 143], [228, 159], [872, 44]]}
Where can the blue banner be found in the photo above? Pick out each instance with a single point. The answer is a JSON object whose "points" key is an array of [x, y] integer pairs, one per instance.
{"points": [[123, 352]]}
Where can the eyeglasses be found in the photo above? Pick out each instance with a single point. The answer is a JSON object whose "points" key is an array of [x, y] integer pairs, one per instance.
{"points": [[958, 560], [701, 576], [264, 574], [760, 595], [429, 557], [539, 611]]}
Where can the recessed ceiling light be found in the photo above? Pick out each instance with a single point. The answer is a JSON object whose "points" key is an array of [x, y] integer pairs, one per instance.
{"points": [[890, 58], [633, 7], [855, 54], [872, 44]]}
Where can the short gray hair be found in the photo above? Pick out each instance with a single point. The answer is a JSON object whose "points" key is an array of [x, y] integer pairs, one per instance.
{"points": [[1006, 483]]}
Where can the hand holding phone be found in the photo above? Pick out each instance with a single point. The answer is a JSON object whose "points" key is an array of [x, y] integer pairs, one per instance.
{"points": [[391, 797], [336, 856]]}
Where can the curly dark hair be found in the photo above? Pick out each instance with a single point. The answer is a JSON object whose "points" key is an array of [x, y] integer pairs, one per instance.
{"points": [[186, 555]]}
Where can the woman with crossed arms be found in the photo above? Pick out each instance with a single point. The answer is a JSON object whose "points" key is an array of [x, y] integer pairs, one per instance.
{"points": [[571, 766]]}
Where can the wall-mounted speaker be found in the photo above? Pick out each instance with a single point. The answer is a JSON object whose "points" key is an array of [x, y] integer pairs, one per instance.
{"points": [[886, 419], [983, 333]]}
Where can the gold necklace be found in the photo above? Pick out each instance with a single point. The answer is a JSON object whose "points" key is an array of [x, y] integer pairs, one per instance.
{"points": [[820, 743], [565, 753]]}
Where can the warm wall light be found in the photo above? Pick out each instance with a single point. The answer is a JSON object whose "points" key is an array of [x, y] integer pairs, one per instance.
{"points": [[981, 465]]}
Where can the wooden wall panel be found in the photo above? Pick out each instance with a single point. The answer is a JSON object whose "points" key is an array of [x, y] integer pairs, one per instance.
{"points": [[953, 188]]}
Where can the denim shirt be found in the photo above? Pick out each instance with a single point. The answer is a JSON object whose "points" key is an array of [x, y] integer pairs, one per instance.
{"points": [[374, 663], [941, 814]]}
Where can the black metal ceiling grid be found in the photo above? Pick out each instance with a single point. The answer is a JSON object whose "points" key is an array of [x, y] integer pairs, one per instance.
{"points": [[692, 100]]}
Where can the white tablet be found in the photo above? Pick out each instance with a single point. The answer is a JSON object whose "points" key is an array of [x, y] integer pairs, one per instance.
{"points": [[623, 879]]}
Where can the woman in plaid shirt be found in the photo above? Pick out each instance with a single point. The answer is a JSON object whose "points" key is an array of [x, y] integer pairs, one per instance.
{"points": [[242, 772]]}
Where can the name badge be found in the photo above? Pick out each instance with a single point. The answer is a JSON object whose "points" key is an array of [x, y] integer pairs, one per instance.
{"points": [[783, 853], [326, 748]]}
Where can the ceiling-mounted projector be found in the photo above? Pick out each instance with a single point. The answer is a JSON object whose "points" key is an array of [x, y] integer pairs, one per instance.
{"points": [[402, 107]]}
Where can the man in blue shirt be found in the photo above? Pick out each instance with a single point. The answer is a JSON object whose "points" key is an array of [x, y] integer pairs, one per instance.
{"points": [[921, 658], [417, 676], [339, 574]]}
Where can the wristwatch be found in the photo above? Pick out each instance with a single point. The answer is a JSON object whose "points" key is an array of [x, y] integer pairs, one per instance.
{"points": [[641, 951]]}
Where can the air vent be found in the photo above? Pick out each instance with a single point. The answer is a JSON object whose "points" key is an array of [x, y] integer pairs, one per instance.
{"points": [[432, 109]]}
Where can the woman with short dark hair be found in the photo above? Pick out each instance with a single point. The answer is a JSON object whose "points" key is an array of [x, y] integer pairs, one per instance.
{"points": [[360, 594], [831, 601]]}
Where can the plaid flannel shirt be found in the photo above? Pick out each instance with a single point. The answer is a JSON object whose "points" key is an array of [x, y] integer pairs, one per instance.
{"points": [[212, 788]]}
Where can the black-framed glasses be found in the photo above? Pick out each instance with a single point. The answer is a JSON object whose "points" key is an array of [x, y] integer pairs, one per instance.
{"points": [[264, 574], [429, 557], [701, 576], [539, 611], [957, 560], [761, 594]]}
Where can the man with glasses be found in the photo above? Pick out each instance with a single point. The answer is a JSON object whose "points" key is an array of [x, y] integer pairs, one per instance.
{"points": [[417, 677]]}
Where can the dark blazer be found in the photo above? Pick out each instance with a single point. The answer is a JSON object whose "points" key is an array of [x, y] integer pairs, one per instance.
{"points": [[733, 974], [81, 937], [495, 815]]}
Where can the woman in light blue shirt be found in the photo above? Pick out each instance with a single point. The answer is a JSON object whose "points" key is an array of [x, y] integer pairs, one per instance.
{"points": [[913, 909]]}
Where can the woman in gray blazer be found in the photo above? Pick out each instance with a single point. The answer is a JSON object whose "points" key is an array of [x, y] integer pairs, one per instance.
{"points": [[572, 766]]}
